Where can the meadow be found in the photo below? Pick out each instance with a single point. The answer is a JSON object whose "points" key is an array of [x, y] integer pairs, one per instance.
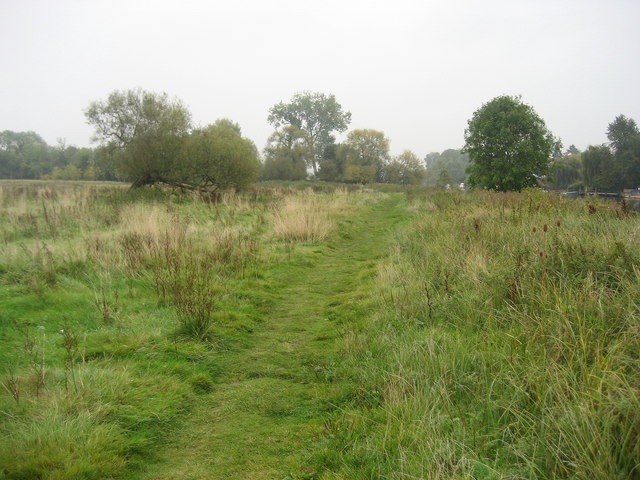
{"points": [[308, 331], [504, 345]]}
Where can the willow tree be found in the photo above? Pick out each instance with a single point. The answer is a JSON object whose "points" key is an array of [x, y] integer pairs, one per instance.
{"points": [[219, 157], [152, 141], [145, 132]]}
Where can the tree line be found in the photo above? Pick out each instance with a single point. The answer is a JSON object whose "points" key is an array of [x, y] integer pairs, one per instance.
{"points": [[25, 155], [147, 138], [446, 168], [304, 145], [152, 140], [610, 167], [509, 148]]}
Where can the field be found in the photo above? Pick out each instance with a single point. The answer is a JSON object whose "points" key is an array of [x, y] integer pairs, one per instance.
{"points": [[316, 332]]}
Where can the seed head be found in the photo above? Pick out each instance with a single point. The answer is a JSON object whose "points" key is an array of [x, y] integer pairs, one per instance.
{"points": [[545, 227]]}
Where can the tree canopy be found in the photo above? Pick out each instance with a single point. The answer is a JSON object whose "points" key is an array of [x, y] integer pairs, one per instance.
{"points": [[145, 130], [598, 169], [152, 141], [364, 153], [405, 169], [509, 145], [148, 138], [285, 155], [16, 142], [317, 115], [610, 167], [217, 156], [566, 172], [621, 133], [27, 155], [446, 168]]}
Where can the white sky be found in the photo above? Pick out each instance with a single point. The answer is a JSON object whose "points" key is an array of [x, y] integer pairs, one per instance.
{"points": [[416, 70]]}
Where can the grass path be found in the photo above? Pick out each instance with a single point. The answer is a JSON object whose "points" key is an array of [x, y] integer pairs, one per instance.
{"points": [[264, 416]]}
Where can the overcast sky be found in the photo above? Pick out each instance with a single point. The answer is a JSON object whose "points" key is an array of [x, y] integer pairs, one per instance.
{"points": [[416, 70]]}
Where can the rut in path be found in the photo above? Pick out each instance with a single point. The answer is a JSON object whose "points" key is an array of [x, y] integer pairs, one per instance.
{"points": [[265, 414]]}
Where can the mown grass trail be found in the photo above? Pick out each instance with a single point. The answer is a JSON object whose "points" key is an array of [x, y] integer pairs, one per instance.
{"points": [[266, 413]]}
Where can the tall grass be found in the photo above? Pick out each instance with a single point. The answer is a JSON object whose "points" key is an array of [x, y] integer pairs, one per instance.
{"points": [[114, 304], [506, 345], [86, 432], [307, 217]]}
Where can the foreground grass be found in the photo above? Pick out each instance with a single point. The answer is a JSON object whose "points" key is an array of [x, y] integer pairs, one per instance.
{"points": [[505, 345], [280, 334], [266, 416], [120, 312]]}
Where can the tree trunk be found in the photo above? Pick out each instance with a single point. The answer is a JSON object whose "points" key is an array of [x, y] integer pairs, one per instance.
{"points": [[140, 182]]}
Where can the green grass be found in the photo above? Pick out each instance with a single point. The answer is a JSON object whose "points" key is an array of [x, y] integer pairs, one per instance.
{"points": [[497, 351], [422, 334], [268, 411], [150, 349]]}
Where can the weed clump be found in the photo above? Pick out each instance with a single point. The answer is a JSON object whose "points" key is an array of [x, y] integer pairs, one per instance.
{"points": [[193, 292]]}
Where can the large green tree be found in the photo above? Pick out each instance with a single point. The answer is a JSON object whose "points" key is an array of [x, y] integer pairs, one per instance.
{"points": [[509, 145], [145, 130], [218, 157], [624, 136], [621, 132], [317, 115]]}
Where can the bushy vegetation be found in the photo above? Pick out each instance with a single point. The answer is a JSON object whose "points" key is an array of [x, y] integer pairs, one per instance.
{"points": [[504, 345], [611, 167], [25, 155], [151, 140]]}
